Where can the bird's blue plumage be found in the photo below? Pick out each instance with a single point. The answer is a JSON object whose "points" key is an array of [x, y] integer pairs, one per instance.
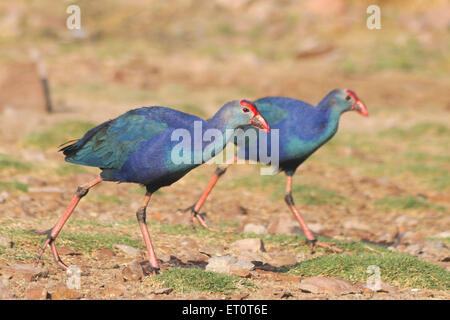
{"points": [[137, 146], [303, 128], [108, 145]]}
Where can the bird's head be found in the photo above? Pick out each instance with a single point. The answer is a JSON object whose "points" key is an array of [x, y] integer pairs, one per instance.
{"points": [[244, 113], [346, 100]]}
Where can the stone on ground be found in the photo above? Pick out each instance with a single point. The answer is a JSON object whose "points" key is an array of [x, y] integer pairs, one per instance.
{"points": [[331, 286], [128, 250], [229, 265], [28, 272], [251, 245], [255, 228]]}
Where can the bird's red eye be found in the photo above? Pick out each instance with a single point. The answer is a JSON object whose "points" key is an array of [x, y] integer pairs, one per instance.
{"points": [[245, 110]]}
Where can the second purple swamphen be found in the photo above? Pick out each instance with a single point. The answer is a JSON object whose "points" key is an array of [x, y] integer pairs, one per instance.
{"points": [[303, 128], [137, 147]]}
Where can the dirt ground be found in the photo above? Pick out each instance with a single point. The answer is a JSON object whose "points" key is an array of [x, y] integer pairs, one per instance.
{"points": [[381, 183]]}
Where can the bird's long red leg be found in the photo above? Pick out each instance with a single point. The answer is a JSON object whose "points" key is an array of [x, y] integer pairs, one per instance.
{"points": [[311, 239], [141, 217], [54, 232], [195, 209]]}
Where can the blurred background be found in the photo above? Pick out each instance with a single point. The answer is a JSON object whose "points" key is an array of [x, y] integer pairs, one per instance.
{"points": [[203, 53], [380, 177]]}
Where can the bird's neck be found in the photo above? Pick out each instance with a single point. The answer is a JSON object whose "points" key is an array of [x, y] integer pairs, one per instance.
{"points": [[330, 116], [215, 135]]}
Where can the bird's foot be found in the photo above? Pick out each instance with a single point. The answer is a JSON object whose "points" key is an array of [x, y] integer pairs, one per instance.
{"points": [[191, 210], [200, 218], [149, 269], [49, 242], [313, 243]]}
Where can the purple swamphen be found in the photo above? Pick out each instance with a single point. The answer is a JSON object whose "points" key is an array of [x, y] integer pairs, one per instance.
{"points": [[303, 128], [137, 147]]}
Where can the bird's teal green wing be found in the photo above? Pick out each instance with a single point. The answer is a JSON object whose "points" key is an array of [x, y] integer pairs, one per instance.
{"points": [[109, 144], [271, 111]]}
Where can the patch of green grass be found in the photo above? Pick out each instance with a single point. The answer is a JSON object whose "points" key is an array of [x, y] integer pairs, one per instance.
{"points": [[428, 168], [19, 234], [418, 130], [68, 169], [7, 162], [348, 65], [421, 157], [91, 223], [82, 241], [23, 241], [18, 252], [396, 269], [280, 240], [228, 224], [17, 255], [407, 57], [177, 229], [105, 199], [110, 91], [314, 196], [436, 177], [208, 236], [129, 222], [329, 158], [13, 185], [79, 241], [189, 280], [310, 195], [298, 242], [405, 203], [423, 169], [58, 134], [254, 182], [304, 194], [363, 149], [225, 29], [172, 229], [88, 242], [138, 190]]}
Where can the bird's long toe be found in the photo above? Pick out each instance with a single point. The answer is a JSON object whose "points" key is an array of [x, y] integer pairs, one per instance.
{"points": [[57, 257], [328, 246], [41, 252], [200, 218], [50, 241], [155, 271]]}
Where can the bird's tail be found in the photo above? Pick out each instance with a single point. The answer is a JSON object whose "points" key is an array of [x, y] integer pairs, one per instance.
{"points": [[66, 144], [70, 148]]}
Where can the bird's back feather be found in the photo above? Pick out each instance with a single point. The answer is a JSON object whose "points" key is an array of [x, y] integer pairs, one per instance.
{"points": [[108, 145]]}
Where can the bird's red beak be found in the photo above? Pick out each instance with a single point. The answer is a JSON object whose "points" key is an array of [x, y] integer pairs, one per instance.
{"points": [[258, 120], [358, 105]]}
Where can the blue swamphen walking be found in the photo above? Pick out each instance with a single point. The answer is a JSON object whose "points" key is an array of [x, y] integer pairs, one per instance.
{"points": [[303, 128], [137, 147]]}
